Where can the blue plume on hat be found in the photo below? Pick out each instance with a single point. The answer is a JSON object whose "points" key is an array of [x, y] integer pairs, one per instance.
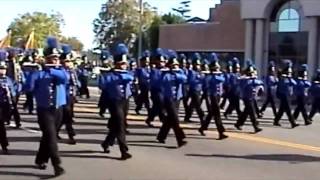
{"points": [[213, 58], [66, 48], [249, 63], [318, 73], [158, 52], [146, 53], [105, 54], [121, 49], [230, 63], [172, 54], [235, 61], [196, 56], [12, 51], [205, 62], [3, 55], [287, 63], [52, 42], [271, 64], [182, 56], [304, 67]]}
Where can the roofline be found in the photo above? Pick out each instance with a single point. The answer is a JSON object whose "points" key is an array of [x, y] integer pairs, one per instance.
{"points": [[192, 24], [212, 50]]}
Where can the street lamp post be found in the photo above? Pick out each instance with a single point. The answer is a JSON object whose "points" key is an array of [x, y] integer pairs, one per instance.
{"points": [[140, 32]]}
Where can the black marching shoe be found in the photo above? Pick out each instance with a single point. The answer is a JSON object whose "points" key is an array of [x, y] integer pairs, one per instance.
{"points": [[276, 124], [5, 150], [201, 131], [238, 127], [58, 171], [161, 141], [149, 124], [294, 125], [125, 156], [41, 166], [105, 148], [101, 114], [59, 137], [222, 136], [256, 130], [137, 111], [181, 143], [308, 122], [18, 126], [72, 141]]}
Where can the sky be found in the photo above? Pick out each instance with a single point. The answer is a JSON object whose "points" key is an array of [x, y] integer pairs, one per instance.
{"points": [[79, 14]]}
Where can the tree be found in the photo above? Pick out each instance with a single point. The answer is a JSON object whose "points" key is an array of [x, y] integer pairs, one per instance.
{"points": [[153, 32], [183, 9], [75, 43], [172, 19], [118, 22], [42, 24]]}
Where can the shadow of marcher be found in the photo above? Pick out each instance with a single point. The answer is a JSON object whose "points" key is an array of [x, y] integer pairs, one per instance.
{"points": [[40, 176], [291, 158]]}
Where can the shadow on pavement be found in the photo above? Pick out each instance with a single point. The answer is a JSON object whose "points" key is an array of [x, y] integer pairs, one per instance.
{"points": [[151, 145], [40, 176], [291, 158]]}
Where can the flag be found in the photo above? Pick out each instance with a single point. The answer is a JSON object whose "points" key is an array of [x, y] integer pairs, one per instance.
{"points": [[6, 41], [31, 43]]}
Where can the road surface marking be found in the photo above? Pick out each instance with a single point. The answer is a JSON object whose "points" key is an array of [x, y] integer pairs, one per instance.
{"points": [[247, 137]]}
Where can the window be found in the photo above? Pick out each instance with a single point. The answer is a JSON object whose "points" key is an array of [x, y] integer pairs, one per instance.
{"points": [[289, 21]]}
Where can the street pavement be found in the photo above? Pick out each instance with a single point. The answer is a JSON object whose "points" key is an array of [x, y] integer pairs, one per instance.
{"points": [[277, 153]]}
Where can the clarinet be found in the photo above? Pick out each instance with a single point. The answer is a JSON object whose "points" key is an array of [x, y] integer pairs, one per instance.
{"points": [[73, 83]]}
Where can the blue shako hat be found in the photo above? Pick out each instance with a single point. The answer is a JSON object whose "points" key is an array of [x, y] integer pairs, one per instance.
{"points": [[303, 70], [105, 55], [52, 47], [250, 68], [66, 54], [213, 60], [159, 55], [196, 58], [146, 56], [287, 66], [182, 58], [121, 53], [173, 57]]}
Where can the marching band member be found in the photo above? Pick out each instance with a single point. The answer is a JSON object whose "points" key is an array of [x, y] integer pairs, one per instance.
{"points": [[234, 102], [114, 83], [48, 87], [195, 82], [6, 95], [301, 92], [105, 58], [215, 88], [155, 87], [249, 85], [143, 77], [284, 91], [314, 92], [71, 88], [271, 82], [170, 81]]}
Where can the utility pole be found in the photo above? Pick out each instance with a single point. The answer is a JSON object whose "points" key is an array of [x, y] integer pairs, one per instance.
{"points": [[140, 32]]}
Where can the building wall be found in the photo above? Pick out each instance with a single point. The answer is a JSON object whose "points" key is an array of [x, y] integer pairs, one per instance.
{"points": [[260, 9], [224, 34]]}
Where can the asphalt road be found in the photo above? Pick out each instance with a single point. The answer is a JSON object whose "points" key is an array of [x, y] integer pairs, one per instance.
{"points": [[277, 153]]}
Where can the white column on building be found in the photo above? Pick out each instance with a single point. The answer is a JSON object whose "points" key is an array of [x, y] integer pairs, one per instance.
{"points": [[266, 36], [249, 39], [259, 44], [312, 44]]}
